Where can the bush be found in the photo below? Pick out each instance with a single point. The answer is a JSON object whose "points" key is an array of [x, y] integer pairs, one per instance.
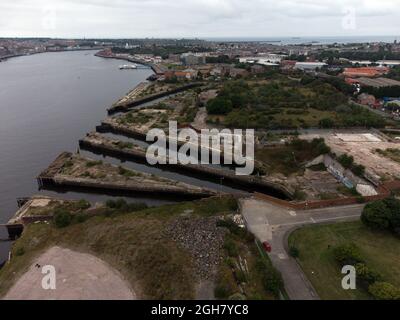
{"points": [[271, 278], [20, 251], [122, 206], [62, 218], [225, 283], [346, 161], [230, 247], [83, 204], [81, 217], [366, 275], [384, 291], [377, 215], [347, 254]]}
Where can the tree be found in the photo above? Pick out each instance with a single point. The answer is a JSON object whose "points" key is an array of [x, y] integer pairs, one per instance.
{"points": [[219, 106], [377, 215], [384, 291]]}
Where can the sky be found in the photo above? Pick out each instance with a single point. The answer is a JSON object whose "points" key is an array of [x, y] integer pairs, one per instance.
{"points": [[198, 18]]}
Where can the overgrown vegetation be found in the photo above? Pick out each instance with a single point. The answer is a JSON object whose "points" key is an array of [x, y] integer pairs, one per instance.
{"points": [[289, 104], [291, 157], [245, 271]]}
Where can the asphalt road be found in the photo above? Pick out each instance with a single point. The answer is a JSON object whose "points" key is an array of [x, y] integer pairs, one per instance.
{"points": [[272, 223]]}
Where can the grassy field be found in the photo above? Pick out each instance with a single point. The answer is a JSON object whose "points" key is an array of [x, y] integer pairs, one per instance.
{"points": [[134, 243], [381, 251]]}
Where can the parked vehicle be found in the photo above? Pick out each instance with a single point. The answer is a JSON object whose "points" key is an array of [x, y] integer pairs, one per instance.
{"points": [[267, 246]]}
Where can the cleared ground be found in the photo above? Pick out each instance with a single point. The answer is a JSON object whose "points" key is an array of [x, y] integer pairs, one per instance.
{"points": [[78, 276], [380, 250], [362, 146]]}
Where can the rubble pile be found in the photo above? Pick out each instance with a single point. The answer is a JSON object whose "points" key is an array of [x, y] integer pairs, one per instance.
{"points": [[203, 239]]}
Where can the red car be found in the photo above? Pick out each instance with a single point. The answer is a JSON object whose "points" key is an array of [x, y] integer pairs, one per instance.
{"points": [[267, 246]]}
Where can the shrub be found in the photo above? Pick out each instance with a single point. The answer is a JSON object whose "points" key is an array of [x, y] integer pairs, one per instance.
{"points": [[83, 204], [20, 251], [384, 291], [62, 218], [376, 215], [80, 218], [346, 161], [271, 278], [366, 275], [347, 254], [230, 247], [225, 283], [90, 164]]}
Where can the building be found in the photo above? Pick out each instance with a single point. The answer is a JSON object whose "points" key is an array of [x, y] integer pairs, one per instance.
{"points": [[309, 66], [389, 63], [268, 59], [190, 59], [188, 74], [238, 72], [257, 69], [288, 64], [366, 99], [368, 72], [374, 82]]}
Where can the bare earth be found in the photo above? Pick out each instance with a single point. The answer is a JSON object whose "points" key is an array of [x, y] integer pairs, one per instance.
{"points": [[78, 276]]}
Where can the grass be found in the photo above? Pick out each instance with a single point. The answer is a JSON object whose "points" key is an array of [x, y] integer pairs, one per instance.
{"points": [[380, 250], [133, 243]]}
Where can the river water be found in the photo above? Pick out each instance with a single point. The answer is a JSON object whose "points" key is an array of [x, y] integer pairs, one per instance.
{"points": [[47, 102]]}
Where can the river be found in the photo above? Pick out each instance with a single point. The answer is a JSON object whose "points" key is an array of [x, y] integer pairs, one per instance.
{"points": [[47, 102]]}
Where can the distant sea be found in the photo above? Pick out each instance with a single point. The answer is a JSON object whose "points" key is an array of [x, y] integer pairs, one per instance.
{"points": [[309, 40]]}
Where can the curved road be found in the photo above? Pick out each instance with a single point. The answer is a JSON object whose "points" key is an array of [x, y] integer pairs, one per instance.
{"points": [[272, 223]]}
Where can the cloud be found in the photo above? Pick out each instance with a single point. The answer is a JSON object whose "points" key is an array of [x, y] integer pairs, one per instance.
{"points": [[167, 18]]}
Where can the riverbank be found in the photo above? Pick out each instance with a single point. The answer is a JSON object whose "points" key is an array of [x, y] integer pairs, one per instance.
{"points": [[6, 58]]}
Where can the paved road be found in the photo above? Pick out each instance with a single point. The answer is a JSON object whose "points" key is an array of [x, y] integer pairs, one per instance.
{"points": [[272, 223]]}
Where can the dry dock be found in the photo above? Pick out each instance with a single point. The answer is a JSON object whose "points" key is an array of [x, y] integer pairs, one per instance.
{"points": [[108, 146], [75, 171], [125, 107]]}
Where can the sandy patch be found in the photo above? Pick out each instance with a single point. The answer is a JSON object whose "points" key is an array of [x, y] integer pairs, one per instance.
{"points": [[78, 276]]}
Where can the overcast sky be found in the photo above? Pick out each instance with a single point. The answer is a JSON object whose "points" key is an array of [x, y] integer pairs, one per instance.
{"points": [[198, 18]]}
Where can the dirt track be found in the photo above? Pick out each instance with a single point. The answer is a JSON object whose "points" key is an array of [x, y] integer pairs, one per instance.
{"points": [[78, 276]]}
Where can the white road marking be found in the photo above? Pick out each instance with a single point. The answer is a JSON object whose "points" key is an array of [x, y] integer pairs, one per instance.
{"points": [[292, 213], [312, 219]]}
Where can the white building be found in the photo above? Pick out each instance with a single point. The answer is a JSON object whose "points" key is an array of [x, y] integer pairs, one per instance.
{"points": [[389, 63], [267, 59], [309, 65]]}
